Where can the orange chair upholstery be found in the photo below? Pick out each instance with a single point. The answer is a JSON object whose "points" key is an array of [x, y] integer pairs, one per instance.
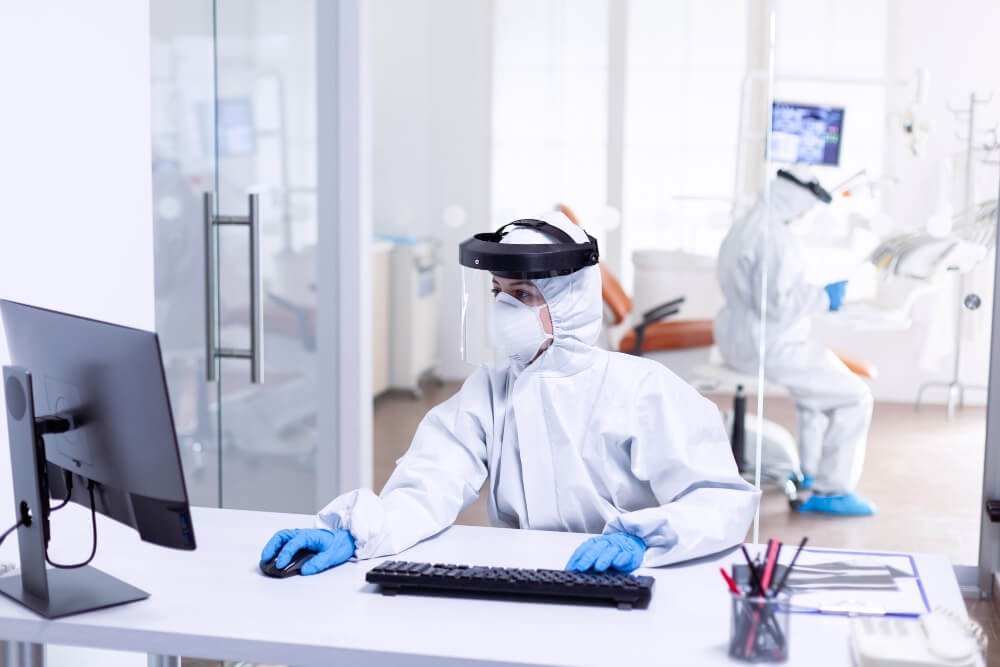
{"points": [[568, 212], [671, 335], [857, 365], [614, 296]]}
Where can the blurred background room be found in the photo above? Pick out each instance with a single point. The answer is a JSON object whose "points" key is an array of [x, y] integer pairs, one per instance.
{"points": [[648, 120]]}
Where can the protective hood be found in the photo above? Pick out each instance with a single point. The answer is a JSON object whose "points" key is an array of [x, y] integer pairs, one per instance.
{"points": [[783, 202], [793, 193], [574, 302]]}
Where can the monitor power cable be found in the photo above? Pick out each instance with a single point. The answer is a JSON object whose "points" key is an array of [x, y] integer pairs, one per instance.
{"points": [[3, 536], [68, 476], [25, 519], [93, 522]]}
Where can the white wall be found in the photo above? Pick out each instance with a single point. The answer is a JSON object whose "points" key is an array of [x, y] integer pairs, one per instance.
{"points": [[685, 64], [75, 224], [75, 190], [550, 108], [431, 110]]}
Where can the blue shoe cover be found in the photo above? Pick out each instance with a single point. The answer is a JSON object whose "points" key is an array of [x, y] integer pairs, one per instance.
{"points": [[806, 483], [852, 504]]}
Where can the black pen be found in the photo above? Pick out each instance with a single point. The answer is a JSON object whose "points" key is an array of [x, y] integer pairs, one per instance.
{"points": [[788, 571], [754, 577]]}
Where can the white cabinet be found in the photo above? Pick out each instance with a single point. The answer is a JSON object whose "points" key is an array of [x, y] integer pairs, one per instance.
{"points": [[413, 318]]}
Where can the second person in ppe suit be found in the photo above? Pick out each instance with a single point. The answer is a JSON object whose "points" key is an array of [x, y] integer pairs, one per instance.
{"points": [[833, 406], [571, 437]]}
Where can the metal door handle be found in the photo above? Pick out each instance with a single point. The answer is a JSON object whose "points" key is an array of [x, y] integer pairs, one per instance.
{"points": [[212, 350]]}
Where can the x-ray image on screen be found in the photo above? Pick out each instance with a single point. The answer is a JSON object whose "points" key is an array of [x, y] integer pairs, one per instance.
{"points": [[806, 134]]}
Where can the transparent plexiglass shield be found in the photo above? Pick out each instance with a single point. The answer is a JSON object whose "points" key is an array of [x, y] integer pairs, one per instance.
{"points": [[477, 299]]}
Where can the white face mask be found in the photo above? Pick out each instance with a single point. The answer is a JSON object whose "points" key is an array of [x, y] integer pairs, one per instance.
{"points": [[516, 328]]}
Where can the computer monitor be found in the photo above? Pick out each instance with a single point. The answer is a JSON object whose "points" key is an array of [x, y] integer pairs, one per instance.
{"points": [[92, 395], [804, 133]]}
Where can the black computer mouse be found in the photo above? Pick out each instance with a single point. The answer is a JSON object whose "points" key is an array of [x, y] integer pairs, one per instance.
{"points": [[293, 567]]}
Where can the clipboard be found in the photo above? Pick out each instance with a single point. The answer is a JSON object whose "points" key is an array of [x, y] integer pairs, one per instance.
{"points": [[851, 583]]}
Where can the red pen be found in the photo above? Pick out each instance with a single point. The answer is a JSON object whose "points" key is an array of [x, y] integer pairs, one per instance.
{"points": [[769, 563], [729, 580]]}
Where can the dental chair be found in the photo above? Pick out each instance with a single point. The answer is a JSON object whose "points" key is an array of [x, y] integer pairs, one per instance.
{"points": [[669, 342]]}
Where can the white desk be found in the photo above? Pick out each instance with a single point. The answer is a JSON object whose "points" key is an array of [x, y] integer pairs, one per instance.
{"points": [[213, 603]]}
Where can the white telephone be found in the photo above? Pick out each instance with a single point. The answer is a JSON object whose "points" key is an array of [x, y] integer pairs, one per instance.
{"points": [[939, 639]]}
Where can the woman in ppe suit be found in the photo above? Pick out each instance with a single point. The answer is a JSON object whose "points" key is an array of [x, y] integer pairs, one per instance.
{"points": [[833, 406], [571, 436]]}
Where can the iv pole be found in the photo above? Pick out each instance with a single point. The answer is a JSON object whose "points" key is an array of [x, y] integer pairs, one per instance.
{"points": [[956, 390]]}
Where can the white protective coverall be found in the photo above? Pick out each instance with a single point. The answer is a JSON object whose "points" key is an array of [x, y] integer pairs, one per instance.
{"points": [[833, 406], [581, 440]]}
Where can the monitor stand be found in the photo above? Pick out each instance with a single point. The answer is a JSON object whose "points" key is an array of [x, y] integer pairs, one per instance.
{"points": [[57, 592]]}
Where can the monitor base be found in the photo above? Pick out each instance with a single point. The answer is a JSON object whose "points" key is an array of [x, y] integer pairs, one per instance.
{"points": [[73, 592]]}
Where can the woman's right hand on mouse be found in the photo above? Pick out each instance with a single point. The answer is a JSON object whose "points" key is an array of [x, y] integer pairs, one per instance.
{"points": [[332, 548]]}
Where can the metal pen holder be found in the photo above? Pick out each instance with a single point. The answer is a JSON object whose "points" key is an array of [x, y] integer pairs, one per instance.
{"points": [[758, 630]]}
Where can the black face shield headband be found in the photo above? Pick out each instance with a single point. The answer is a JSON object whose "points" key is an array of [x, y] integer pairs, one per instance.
{"points": [[527, 260], [812, 186]]}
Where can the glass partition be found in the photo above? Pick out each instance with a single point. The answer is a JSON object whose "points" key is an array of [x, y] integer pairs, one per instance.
{"points": [[695, 183], [184, 167], [881, 384]]}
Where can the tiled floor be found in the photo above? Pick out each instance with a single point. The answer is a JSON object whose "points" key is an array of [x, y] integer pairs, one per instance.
{"points": [[924, 473], [985, 612]]}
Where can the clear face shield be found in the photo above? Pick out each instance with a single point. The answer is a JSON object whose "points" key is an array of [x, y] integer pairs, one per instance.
{"points": [[477, 299], [502, 317], [504, 314]]}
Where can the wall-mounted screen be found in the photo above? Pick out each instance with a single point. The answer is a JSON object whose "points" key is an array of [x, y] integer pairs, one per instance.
{"points": [[805, 133]]}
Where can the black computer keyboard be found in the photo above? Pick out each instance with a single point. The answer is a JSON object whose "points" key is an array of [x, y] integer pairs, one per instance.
{"points": [[625, 590]]}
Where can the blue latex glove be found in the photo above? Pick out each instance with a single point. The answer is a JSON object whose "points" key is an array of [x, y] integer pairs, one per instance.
{"points": [[620, 551], [332, 548], [836, 293], [850, 504]]}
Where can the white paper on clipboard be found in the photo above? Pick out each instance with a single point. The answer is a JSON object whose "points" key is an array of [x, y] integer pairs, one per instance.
{"points": [[847, 582]]}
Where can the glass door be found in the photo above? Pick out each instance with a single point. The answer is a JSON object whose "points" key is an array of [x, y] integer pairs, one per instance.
{"points": [[266, 152], [184, 168], [234, 169]]}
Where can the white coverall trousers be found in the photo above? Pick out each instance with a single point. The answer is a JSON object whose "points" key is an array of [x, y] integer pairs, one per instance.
{"points": [[833, 409]]}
